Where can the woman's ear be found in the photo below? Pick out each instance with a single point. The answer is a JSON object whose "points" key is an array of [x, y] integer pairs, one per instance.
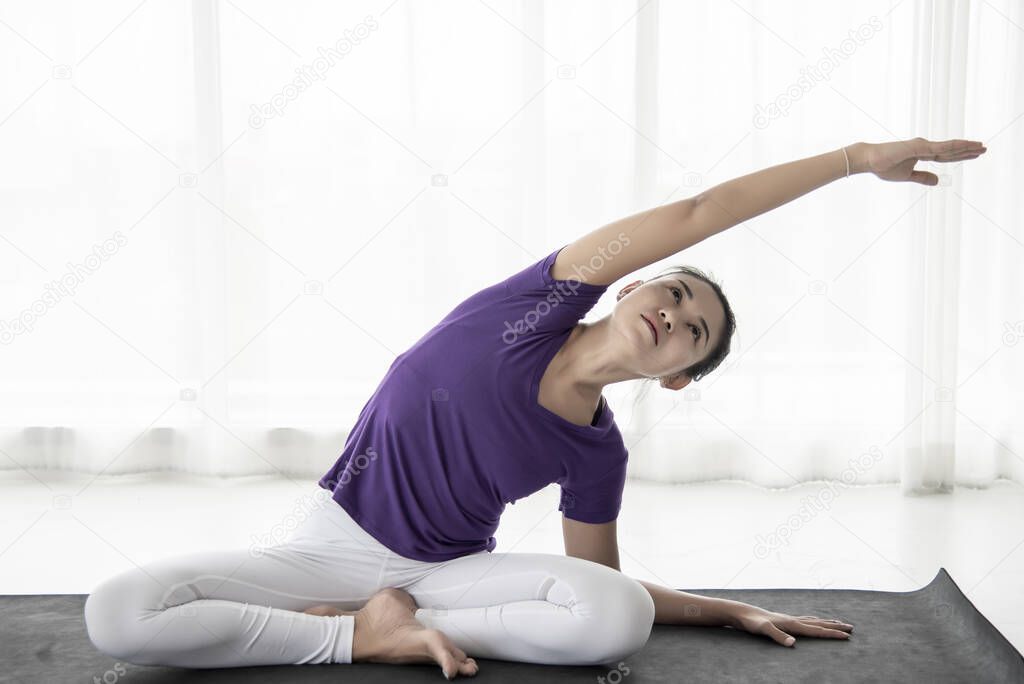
{"points": [[676, 382], [628, 288]]}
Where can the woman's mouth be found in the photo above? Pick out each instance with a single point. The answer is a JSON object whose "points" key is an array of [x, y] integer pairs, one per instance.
{"points": [[654, 331]]}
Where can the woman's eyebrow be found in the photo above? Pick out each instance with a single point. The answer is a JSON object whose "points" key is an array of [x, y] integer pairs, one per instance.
{"points": [[689, 295]]}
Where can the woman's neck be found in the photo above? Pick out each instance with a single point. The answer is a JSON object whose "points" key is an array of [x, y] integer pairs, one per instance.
{"points": [[586, 363]]}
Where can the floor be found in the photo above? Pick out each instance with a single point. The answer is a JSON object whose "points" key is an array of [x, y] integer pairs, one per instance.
{"points": [[64, 532]]}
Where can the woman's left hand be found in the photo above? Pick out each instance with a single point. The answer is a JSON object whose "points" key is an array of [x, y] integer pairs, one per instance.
{"points": [[894, 161], [784, 628]]}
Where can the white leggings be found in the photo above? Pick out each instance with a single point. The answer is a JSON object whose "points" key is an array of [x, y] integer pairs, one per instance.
{"points": [[244, 607]]}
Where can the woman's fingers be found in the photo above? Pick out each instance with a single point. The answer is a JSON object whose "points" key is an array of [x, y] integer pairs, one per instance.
{"points": [[819, 631], [949, 146], [827, 622], [948, 150], [943, 151], [779, 636], [958, 156]]}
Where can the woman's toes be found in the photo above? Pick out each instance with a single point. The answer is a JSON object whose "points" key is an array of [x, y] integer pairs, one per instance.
{"points": [[436, 646], [449, 666], [468, 667], [443, 652]]}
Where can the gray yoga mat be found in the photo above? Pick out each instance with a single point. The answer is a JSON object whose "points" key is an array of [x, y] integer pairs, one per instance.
{"points": [[933, 634]]}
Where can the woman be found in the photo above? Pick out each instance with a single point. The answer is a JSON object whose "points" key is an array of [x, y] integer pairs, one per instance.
{"points": [[500, 399]]}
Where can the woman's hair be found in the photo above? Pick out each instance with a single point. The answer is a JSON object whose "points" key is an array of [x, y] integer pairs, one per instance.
{"points": [[721, 348]]}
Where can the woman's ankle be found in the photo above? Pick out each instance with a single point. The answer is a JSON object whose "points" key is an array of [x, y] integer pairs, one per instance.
{"points": [[324, 610], [363, 646]]}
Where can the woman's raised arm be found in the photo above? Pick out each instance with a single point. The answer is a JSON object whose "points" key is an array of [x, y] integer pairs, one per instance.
{"points": [[619, 248]]}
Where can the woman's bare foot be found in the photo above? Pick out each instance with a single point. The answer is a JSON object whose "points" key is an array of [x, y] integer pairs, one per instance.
{"points": [[387, 632]]}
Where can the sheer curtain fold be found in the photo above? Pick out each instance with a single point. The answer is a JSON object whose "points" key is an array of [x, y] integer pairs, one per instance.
{"points": [[941, 56], [226, 221]]}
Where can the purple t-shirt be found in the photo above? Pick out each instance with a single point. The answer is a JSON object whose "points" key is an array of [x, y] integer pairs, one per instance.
{"points": [[454, 432]]}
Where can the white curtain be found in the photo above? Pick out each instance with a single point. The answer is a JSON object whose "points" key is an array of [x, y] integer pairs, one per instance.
{"points": [[220, 222]]}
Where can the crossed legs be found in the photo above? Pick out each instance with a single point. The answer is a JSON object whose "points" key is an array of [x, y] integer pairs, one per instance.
{"points": [[238, 608]]}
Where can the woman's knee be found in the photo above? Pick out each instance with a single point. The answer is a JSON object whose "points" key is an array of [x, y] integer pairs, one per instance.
{"points": [[111, 617], [101, 620], [629, 620], [617, 619]]}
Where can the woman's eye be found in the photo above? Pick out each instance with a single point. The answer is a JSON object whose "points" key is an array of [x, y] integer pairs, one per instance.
{"points": [[696, 332], [678, 294]]}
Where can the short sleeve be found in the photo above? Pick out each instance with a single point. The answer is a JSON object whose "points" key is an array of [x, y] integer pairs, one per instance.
{"points": [[538, 303], [531, 301], [594, 499], [537, 277]]}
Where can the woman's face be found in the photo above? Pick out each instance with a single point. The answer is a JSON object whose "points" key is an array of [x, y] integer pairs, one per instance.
{"points": [[667, 324]]}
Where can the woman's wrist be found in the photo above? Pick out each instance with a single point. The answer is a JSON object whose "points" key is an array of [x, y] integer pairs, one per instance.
{"points": [[857, 153], [729, 609]]}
